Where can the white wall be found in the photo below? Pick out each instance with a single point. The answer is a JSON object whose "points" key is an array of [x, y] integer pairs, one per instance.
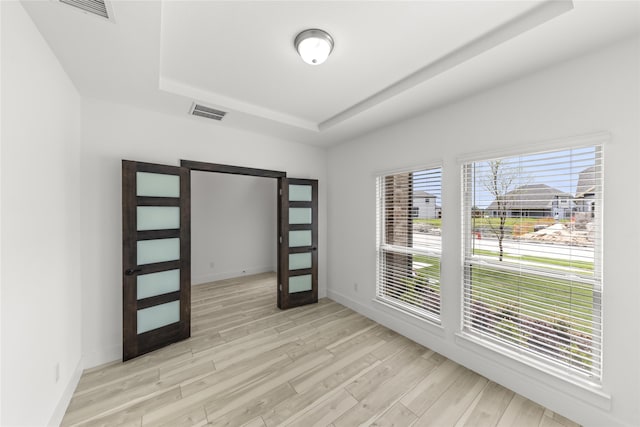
{"points": [[233, 226], [598, 92], [112, 132], [41, 323]]}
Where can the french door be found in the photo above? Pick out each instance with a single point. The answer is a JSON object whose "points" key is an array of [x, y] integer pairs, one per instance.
{"points": [[156, 267], [156, 254], [298, 231]]}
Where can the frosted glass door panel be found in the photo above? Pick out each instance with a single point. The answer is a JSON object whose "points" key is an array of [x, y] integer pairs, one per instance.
{"points": [[299, 283], [299, 238], [299, 193], [158, 217], [299, 215], [158, 316], [160, 250], [150, 285], [299, 261], [157, 185]]}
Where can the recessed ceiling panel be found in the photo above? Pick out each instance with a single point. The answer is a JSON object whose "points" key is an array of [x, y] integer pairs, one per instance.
{"points": [[242, 53]]}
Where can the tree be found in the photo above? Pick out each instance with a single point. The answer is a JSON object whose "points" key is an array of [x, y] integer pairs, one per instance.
{"points": [[499, 180]]}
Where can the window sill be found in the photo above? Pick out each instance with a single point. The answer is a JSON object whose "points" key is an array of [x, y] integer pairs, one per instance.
{"points": [[585, 390]]}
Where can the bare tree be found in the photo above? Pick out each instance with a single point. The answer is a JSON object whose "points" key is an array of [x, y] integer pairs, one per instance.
{"points": [[499, 180]]}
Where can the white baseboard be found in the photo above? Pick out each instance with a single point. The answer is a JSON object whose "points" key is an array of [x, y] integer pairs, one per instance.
{"points": [[585, 407], [419, 331], [67, 394], [198, 280], [97, 358]]}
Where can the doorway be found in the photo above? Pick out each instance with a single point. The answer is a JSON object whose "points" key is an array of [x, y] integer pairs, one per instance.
{"points": [[235, 226], [157, 254]]}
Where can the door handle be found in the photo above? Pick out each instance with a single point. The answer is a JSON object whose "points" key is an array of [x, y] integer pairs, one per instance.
{"points": [[132, 271]]}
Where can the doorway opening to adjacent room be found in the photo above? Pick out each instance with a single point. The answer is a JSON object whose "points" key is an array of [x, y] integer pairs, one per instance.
{"points": [[157, 261]]}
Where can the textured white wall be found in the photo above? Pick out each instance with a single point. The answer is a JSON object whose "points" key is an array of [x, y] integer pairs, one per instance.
{"points": [[112, 132], [597, 92], [41, 323], [233, 225]]}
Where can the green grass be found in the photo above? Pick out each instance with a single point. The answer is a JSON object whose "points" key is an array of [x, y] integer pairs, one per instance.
{"points": [[512, 300], [422, 290], [546, 298], [583, 265], [434, 222], [434, 267], [549, 297], [510, 222], [495, 222], [512, 297]]}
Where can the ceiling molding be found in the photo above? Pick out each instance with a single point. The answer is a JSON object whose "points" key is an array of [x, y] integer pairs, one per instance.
{"points": [[525, 22], [228, 103]]}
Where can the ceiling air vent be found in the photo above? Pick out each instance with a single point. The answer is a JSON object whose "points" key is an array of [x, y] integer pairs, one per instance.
{"points": [[95, 7], [207, 112]]}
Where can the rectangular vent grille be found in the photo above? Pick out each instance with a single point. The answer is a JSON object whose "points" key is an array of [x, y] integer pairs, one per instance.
{"points": [[207, 112], [96, 7]]}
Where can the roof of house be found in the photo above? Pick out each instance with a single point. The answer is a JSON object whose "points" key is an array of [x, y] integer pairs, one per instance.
{"points": [[420, 193], [530, 197], [586, 182]]}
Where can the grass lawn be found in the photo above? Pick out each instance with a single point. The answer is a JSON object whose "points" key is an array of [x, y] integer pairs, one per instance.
{"points": [[535, 312], [535, 296], [581, 265], [422, 289], [434, 222], [522, 307], [434, 265], [495, 222], [541, 297]]}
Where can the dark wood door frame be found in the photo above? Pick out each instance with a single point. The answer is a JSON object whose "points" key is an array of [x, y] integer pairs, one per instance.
{"points": [[240, 170], [285, 299], [234, 170]]}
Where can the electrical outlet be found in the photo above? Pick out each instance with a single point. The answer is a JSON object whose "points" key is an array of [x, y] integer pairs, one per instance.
{"points": [[355, 287], [212, 264], [57, 372]]}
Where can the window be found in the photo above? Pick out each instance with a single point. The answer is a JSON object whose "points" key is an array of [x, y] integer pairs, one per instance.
{"points": [[408, 241], [533, 266]]}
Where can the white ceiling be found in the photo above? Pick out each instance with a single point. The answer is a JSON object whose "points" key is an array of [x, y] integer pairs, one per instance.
{"points": [[391, 59]]}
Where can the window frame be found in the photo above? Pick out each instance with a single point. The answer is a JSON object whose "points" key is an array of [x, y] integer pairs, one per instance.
{"points": [[382, 247], [529, 357]]}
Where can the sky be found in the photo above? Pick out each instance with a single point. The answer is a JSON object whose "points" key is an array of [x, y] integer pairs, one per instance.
{"points": [[558, 169]]}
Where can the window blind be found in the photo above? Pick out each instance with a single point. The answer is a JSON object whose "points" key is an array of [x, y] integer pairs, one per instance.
{"points": [[532, 256], [409, 242]]}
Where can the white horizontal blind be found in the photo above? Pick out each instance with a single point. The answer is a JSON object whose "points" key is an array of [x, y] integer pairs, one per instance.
{"points": [[532, 267], [409, 242]]}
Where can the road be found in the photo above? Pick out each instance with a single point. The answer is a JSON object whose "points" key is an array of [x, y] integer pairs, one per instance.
{"points": [[517, 247]]}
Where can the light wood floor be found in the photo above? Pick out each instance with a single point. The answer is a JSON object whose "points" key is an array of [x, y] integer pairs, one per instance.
{"points": [[250, 364]]}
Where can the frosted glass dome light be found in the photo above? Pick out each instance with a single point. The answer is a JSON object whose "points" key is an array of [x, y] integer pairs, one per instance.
{"points": [[314, 46]]}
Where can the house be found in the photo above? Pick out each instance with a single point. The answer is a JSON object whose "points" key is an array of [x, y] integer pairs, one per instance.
{"points": [[424, 205], [586, 191], [534, 201], [405, 86]]}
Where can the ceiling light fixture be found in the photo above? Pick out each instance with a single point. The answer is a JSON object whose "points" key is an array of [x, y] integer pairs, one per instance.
{"points": [[314, 46]]}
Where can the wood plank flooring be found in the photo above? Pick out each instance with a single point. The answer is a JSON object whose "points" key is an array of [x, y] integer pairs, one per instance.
{"points": [[250, 364]]}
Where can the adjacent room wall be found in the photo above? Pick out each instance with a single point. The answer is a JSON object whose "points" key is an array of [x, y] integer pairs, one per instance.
{"points": [[112, 132], [233, 226], [597, 92], [41, 315]]}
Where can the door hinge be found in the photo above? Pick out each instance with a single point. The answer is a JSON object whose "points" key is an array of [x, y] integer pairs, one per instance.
{"points": [[280, 287], [280, 239], [280, 191]]}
